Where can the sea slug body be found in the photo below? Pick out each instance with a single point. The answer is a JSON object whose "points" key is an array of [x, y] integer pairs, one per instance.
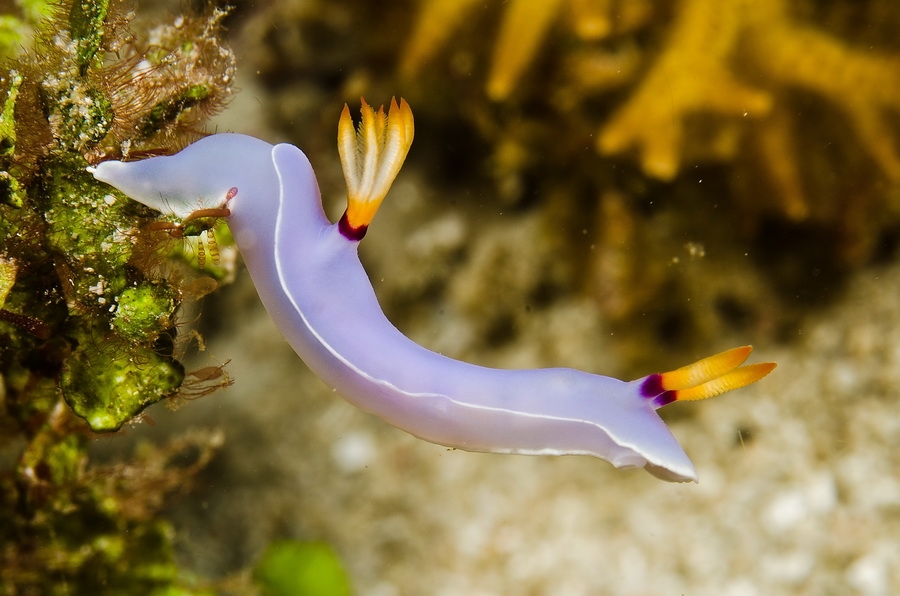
{"points": [[309, 277]]}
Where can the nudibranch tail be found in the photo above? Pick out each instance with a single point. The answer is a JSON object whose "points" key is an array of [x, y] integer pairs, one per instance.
{"points": [[371, 157], [705, 378]]}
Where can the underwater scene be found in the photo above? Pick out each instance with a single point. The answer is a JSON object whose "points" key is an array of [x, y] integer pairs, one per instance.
{"points": [[620, 187]]}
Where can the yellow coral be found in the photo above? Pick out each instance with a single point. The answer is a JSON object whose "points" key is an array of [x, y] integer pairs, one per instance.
{"points": [[696, 72], [722, 87], [690, 76], [862, 85], [524, 27], [437, 21], [525, 24]]}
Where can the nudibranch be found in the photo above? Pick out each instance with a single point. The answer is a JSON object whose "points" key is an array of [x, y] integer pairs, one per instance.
{"points": [[309, 277]]}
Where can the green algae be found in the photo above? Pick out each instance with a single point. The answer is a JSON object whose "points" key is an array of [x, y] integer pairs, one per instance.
{"points": [[292, 568], [170, 109], [87, 314], [87, 21], [10, 191], [143, 310], [108, 380]]}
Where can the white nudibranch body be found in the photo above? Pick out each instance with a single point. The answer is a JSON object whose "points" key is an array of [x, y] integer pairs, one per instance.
{"points": [[310, 279]]}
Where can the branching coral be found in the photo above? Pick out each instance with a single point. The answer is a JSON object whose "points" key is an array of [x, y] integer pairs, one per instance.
{"points": [[713, 43], [690, 76], [719, 88], [525, 26], [864, 86]]}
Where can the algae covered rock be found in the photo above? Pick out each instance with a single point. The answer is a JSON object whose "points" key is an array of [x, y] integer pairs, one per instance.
{"points": [[108, 380], [88, 305]]}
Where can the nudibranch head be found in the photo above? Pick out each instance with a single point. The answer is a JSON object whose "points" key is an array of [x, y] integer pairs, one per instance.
{"points": [[200, 181], [371, 156], [705, 378]]}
